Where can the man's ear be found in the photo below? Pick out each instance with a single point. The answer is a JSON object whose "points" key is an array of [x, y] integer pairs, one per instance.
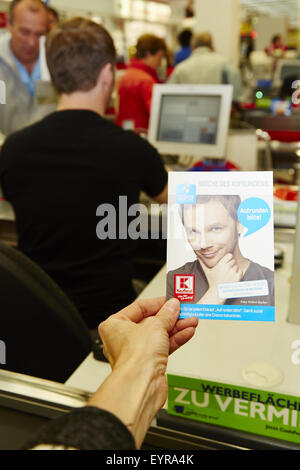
{"points": [[106, 77]]}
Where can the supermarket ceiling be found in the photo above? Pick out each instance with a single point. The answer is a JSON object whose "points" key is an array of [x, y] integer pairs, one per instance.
{"points": [[265, 7], [272, 7]]}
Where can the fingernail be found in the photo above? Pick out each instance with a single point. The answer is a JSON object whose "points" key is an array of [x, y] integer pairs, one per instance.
{"points": [[173, 305]]}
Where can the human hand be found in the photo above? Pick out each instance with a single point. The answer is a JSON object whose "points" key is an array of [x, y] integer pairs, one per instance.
{"points": [[143, 329], [137, 341], [226, 270]]}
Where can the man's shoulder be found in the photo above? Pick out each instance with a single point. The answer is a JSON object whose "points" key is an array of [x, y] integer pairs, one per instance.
{"points": [[135, 76], [25, 133], [17, 137], [14, 146], [7, 64], [231, 67], [260, 272], [116, 135], [131, 143], [4, 46], [120, 142], [128, 139], [185, 64], [19, 142]]}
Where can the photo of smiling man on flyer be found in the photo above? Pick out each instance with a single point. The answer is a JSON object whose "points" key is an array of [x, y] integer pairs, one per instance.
{"points": [[213, 231]]}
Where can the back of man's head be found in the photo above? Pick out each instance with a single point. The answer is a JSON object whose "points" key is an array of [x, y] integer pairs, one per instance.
{"points": [[184, 37], [53, 12], [202, 40], [53, 17], [148, 43], [76, 51], [35, 6]]}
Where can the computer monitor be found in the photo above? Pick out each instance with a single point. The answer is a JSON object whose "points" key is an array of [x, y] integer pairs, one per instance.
{"points": [[286, 69], [190, 119]]}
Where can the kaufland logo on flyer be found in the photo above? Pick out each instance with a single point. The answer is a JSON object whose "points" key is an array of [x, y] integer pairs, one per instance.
{"points": [[184, 287]]}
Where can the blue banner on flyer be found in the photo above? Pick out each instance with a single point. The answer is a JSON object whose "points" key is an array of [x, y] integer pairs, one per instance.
{"points": [[228, 312]]}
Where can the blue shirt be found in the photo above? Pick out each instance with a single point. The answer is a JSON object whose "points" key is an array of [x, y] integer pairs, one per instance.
{"points": [[29, 80], [181, 55]]}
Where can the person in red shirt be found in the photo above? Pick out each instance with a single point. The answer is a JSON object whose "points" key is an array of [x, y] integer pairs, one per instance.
{"points": [[277, 47], [135, 86]]}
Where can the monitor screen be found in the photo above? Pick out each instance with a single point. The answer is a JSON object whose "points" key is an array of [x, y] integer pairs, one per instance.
{"points": [[288, 71], [190, 119]]}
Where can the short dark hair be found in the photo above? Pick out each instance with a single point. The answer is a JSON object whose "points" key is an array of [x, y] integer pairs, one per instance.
{"points": [[77, 50], [53, 12], [184, 37], [230, 202], [149, 43], [275, 38], [35, 6]]}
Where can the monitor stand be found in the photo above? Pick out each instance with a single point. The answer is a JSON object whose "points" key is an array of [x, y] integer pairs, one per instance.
{"points": [[217, 162], [213, 164]]}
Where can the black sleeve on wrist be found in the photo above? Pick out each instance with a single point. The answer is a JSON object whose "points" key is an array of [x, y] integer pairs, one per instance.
{"points": [[87, 428]]}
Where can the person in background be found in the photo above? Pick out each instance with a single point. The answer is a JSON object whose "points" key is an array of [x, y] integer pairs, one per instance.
{"points": [[277, 47], [247, 47], [53, 17], [135, 86], [137, 342], [184, 39], [189, 9], [65, 174], [20, 65], [169, 63], [205, 66]]}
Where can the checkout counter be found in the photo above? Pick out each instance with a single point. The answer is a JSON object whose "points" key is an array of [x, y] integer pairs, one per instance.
{"points": [[224, 352], [258, 355], [220, 351]]}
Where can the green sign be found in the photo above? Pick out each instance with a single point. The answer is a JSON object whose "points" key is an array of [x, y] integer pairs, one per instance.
{"points": [[258, 411]]}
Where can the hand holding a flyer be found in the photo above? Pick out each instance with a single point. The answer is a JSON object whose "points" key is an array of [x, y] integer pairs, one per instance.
{"points": [[137, 342], [226, 268]]}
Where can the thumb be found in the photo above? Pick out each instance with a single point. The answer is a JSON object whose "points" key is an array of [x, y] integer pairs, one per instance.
{"points": [[169, 313]]}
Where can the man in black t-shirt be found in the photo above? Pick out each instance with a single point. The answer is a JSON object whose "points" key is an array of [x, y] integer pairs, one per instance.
{"points": [[62, 172]]}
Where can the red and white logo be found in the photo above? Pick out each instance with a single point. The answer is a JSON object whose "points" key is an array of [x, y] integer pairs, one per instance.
{"points": [[184, 287]]}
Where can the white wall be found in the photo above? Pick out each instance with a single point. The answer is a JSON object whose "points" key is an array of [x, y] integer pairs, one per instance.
{"points": [[220, 18], [177, 10], [95, 6], [266, 28]]}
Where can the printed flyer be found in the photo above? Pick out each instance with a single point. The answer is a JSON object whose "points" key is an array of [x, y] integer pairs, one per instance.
{"points": [[220, 252], [261, 412]]}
